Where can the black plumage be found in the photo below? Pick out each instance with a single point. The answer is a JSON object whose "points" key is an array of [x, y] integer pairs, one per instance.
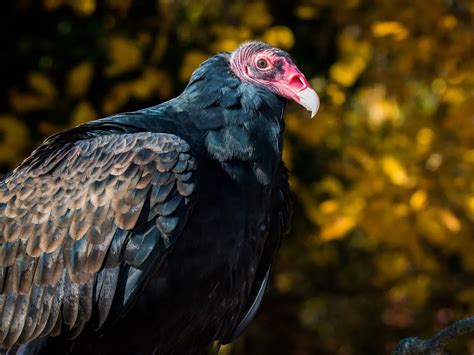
{"points": [[151, 231]]}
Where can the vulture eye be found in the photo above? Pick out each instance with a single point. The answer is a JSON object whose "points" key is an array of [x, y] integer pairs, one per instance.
{"points": [[262, 63]]}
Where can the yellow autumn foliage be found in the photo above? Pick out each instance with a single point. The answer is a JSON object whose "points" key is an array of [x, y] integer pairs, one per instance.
{"points": [[124, 56], [390, 28], [383, 178], [279, 36], [14, 135], [42, 85], [82, 113], [190, 62], [338, 228], [256, 16], [79, 79]]}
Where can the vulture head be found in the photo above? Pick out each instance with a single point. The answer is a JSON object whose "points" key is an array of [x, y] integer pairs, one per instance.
{"points": [[273, 69]]}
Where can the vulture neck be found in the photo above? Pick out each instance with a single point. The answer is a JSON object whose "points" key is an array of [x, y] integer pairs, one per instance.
{"points": [[241, 124]]}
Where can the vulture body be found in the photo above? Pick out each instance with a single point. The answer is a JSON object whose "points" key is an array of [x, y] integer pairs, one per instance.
{"points": [[150, 232]]}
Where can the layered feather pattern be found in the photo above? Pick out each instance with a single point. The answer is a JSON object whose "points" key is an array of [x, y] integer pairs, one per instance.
{"points": [[70, 221]]}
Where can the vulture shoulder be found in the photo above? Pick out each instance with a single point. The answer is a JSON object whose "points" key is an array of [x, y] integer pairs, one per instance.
{"points": [[76, 215]]}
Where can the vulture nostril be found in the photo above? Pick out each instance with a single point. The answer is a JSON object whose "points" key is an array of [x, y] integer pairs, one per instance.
{"points": [[297, 82]]}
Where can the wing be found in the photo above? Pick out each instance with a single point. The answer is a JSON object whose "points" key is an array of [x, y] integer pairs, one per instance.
{"points": [[74, 221]]}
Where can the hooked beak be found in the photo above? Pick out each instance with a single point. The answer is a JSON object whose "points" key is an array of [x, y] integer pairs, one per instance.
{"points": [[298, 89], [309, 100]]}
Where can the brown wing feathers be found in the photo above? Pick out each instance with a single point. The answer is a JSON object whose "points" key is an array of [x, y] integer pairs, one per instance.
{"points": [[69, 221]]}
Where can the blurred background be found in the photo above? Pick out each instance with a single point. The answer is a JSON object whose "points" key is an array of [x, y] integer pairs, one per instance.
{"points": [[382, 245]]}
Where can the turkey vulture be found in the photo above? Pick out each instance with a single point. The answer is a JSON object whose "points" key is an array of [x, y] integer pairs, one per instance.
{"points": [[152, 232]]}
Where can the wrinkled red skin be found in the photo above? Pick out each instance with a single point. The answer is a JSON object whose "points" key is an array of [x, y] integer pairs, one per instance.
{"points": [[281, 76]]}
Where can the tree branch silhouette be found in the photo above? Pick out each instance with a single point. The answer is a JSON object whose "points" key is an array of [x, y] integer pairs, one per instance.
{"points": [[435, 345]]}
